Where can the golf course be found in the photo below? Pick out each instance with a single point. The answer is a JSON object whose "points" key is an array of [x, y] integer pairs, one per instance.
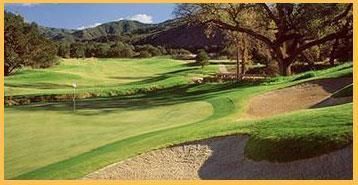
{"points": [[184, 91], [140, 105]]}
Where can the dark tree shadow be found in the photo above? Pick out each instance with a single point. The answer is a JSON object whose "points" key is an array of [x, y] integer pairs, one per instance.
{"points": [[164, 97], [228, 162]]}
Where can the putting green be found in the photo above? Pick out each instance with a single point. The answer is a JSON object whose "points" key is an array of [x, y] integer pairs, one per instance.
{"points": [[37, 137]]}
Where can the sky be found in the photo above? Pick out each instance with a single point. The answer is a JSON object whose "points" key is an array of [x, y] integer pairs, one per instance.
{"points": [[80, 16]]}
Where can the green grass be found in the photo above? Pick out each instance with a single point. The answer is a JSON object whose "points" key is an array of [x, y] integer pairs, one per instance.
{"points": [[301, 134], [67, 145], [103, 76]]}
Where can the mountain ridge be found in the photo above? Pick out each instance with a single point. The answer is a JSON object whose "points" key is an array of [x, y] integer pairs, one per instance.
{"points": [[172, 33]]}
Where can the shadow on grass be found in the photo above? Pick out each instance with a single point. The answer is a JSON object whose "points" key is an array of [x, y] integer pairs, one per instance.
{"points": [[165, 97], [228, 161], [40, 85]]}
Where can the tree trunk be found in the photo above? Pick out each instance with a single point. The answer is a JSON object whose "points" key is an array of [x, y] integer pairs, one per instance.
{"points": [[244, 56], [243, 61], [332, 54], [237, 63], [6, 70], [285, 67]]}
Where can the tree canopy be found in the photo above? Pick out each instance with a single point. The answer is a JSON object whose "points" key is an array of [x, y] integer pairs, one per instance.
{"points": [[24, 46], [287, 30]]}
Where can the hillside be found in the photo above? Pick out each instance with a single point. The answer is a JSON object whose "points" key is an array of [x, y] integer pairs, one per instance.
{"points": [[57, 34], [171, 34]]}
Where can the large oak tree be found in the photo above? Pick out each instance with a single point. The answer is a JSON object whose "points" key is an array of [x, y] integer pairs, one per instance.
{"points": [[286, 29]]}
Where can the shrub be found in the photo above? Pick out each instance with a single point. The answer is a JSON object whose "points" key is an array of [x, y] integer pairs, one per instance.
{"points": [[202, 58], [144, 54], [180, 54]]}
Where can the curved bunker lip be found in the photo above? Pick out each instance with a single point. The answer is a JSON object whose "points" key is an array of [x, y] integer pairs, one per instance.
{"points": [[223, 158], [301, 96]]}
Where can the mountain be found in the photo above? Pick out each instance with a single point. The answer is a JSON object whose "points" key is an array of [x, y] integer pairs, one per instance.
{"points": [[109, 29], [58, 34], [190, 37], [170, 34]]}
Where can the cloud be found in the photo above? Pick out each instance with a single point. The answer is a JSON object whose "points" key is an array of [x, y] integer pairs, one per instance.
{"points": [[144, 18], [89, 26]]}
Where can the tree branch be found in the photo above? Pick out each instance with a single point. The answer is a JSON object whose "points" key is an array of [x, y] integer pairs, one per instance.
{"points": [[270, 13], [339, 17], [237, 28], [332, 36]]}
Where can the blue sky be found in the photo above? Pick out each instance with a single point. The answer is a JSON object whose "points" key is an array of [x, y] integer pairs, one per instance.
{"points": [[79, 16]]}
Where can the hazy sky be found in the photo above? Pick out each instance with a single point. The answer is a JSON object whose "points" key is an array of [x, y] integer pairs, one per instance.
{"points": [[78, 16]]}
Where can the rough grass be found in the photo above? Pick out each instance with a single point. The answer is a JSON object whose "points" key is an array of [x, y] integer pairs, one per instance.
{"points": [[67, 145]]}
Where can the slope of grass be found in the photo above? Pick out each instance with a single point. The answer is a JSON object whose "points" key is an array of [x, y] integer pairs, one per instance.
{"points": [[103, 76], [107, 130], [92, 125], [301, 134]]}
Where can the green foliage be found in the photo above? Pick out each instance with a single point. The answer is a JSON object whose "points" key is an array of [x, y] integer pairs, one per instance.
{"points": [[202, 58], [319, 23], [24, 46], [77, 50], [148, 50], [121, 50], [64, 50], [144, 54]]}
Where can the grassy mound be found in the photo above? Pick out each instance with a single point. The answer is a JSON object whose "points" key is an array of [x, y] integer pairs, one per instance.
{"points": [[301, 134]]}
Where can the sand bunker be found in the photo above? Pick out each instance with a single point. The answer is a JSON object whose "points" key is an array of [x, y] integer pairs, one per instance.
{"points": [[306, 95], [223, 158]]}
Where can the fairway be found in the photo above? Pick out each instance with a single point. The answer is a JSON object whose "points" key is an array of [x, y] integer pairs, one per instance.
{"points": [[184, 91], [67, 144], [103, 76]]}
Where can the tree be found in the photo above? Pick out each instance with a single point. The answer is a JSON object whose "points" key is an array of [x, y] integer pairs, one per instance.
{"points": [[153, 51], [77, 50], [239, 49], [287, 30], [64, 50], [202, 58], [24, 46], [144, 54], [101, 50]]}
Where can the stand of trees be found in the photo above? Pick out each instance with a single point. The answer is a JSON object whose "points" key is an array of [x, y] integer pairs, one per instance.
{"points": [[108, 50], [24, 46], [288, 31]]}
